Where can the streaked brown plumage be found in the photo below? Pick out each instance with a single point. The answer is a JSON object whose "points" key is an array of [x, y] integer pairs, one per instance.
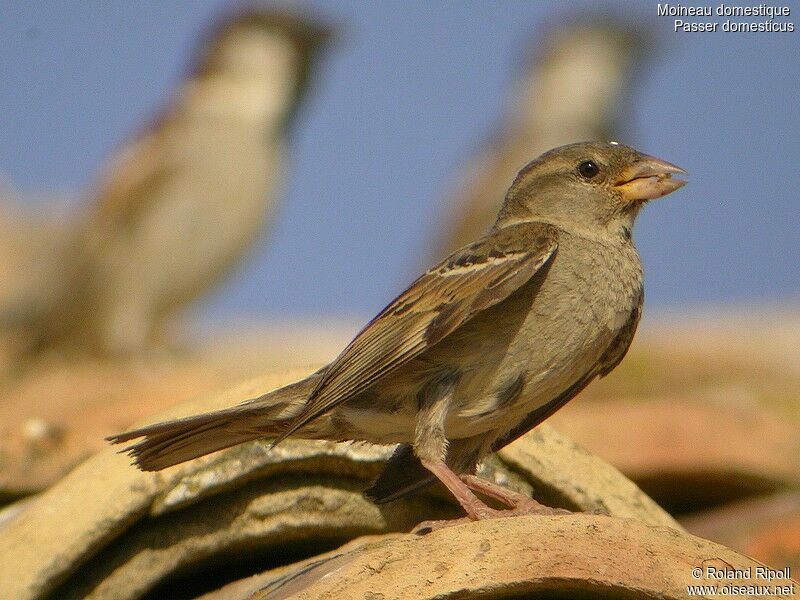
{"points": [[482, 347]]}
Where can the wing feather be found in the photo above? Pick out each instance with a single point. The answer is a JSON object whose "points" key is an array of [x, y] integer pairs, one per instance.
{"points": [[139, 167], [471, 280]]}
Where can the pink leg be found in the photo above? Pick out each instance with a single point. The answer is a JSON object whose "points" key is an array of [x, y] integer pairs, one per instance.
{"points": [[461, 488], [430, 446], [474, 508], [519, 502]]}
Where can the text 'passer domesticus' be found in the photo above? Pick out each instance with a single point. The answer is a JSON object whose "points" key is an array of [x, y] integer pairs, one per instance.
{"points": [[478, 350]]}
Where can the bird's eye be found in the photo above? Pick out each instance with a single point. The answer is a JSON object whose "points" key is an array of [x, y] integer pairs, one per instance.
{"points": [[588, 169]]}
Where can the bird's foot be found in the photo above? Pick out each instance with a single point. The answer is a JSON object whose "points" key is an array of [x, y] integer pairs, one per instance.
{"points": [[517, 503], [427, 527], [463, 488]]}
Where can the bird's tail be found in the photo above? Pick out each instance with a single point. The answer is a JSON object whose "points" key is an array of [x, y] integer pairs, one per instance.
{"points": [[172, 442]]}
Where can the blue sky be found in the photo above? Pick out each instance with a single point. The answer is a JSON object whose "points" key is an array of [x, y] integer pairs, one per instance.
{"points": [[408, 93]]}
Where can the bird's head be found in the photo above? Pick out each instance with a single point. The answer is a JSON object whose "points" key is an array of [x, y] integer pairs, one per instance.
{"points": [[253, 40], [592, 186], [261, 57]]}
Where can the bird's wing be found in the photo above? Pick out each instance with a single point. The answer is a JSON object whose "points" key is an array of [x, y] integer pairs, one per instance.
{"points": [[135, 171], [619, 347], [470, 280]]}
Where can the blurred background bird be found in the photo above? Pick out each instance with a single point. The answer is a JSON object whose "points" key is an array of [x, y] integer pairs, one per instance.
{"points": [[180, 204], [573, 86], [33, 239]]}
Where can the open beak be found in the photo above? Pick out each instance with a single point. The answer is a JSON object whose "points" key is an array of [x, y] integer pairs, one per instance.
{"points": [[648, 178]]}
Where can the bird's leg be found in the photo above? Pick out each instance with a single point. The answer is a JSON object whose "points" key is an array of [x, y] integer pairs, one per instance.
{"points": [[462, 489], [430, 446], [510, 498], [520, 503], [471, 504], [430, 443]]}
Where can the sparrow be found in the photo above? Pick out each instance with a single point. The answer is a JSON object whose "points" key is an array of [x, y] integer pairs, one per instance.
{"points": [[572, 86], [182, 203], [479, 349]]}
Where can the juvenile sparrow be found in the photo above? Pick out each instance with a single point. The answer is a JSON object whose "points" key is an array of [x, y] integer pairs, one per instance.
{"points": [[573, 86], [181, 204], [478, 350]]}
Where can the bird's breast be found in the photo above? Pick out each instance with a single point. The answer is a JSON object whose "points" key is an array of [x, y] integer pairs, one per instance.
{"points": [[543, 339]]}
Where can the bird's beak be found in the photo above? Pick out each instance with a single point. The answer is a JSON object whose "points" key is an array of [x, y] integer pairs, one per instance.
{"points": [[648, 178]]}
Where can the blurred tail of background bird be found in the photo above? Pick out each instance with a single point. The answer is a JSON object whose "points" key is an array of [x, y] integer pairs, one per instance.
{"points": [[180, 205], [33, 241], [573, 87]]}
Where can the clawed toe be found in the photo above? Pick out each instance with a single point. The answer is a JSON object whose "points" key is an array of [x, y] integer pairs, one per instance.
{"points": [[535, 508], [427, 527], [463, 487], [523, 509]]}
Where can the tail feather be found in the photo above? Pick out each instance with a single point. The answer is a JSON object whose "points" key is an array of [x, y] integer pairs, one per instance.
{"points": [[173, 442], [402, 475]]}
